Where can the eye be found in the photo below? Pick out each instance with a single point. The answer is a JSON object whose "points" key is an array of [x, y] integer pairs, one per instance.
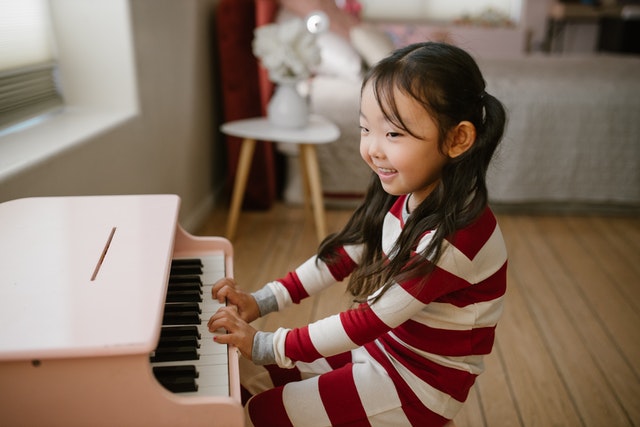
{"points": [[363, 130], [394, 135]]}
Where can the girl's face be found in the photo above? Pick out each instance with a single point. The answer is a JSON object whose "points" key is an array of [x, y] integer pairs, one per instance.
{"points": [[404, 163]]}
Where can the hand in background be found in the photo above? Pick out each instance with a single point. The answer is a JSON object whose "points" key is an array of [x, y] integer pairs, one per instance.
{"points": [[247, 307]]}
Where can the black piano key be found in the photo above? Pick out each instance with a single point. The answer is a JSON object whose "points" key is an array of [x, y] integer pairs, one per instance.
{"points": [[175, 354], [182, 306], [178, 384], [167, 331], [186, 286], [185, 270], [185, 278], [176, 371], [179, 341], [184, 296], [181, 318], [187, 261]]}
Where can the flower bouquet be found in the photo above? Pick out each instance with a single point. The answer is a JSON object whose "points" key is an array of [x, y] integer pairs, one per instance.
{"points": [[287, 50]]}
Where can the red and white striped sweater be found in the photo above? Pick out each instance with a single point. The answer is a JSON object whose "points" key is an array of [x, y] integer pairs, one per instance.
{"points": [[430, 339]]}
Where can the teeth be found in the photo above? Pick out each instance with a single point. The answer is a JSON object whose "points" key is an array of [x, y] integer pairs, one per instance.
{"points": [[385, 170]]}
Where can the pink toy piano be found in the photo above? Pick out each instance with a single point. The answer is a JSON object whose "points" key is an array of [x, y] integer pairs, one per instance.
{"points": [[104, 303]]}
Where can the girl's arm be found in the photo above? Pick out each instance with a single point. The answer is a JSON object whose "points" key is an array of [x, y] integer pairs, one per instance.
{"points": [[338, 333], [308, 279]]}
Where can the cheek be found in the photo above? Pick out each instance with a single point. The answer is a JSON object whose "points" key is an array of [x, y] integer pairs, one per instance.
{"points": [[364, 151]]}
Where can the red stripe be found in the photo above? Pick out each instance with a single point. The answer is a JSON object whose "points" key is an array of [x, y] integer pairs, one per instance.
{"points": [[339, 360], [281, 376], [362, 325], [489, 289], [417, 413], [298, 345], [267, 409], [343, 266], [341, 399], [471, 239], [451, 381], [292, 282], [446, 342]]}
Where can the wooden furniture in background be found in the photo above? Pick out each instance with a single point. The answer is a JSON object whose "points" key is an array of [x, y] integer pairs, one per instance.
{"points": [[318, 131]]}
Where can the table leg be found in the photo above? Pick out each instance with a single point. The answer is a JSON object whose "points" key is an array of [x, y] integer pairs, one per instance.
{"points": [[242, 174], [306, 198], [310, 159]]}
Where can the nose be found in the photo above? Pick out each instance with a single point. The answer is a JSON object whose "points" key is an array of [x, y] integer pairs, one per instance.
{"points": [[374, 148]]}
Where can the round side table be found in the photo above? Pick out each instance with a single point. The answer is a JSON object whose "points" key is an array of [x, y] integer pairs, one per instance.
{"points": [[318, 131]]}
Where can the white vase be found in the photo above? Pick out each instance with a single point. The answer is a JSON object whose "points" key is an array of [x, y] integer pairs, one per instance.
{"points": [[287, 108]]}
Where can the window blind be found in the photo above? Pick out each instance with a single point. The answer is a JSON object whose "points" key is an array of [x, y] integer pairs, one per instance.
{"points": [[27, 61]]}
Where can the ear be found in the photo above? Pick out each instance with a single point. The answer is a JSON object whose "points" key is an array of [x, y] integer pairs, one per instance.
{"points": [[461, 138]]}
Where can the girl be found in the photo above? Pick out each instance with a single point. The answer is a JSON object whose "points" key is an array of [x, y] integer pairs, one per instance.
{"points": [[425, 256]]}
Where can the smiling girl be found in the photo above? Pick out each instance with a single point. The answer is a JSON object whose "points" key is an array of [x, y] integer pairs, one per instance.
{"points": [[424, 255]]}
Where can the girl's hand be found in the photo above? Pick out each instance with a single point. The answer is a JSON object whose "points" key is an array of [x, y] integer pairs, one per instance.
{"points": [[247, 306], [239, 332]]}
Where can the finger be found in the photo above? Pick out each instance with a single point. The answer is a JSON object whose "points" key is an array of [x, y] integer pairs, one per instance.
{"points": [[225, 318], [225, 293], [223, 338], [226, 281]]}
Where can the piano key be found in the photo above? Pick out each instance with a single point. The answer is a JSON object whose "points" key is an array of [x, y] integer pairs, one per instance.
{"points": [[185, 286], [185, 270], [190, 330], [182, 318], [176, 307], [211, 358], [186, 261], [176, 371], [184, 296], [182, 278], [174, 354], [178, 341]]}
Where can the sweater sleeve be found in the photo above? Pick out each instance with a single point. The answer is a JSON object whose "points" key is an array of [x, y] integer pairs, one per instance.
{"points": [[309, 278], [347, 330]]}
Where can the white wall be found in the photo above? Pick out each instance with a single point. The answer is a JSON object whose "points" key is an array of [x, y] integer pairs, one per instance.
{"points": [[170, 142]]}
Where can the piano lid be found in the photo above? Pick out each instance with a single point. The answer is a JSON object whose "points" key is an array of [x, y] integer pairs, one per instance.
{"points": [[83, 276]]}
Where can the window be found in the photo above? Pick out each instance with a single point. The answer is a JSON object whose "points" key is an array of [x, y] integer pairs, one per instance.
{"points": [[27, 66], [95, 58], [437, 10]]}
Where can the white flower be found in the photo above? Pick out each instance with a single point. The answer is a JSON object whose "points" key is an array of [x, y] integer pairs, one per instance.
{"points": [[286, 50]]}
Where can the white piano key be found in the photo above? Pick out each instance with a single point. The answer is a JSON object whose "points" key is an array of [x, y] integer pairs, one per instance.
{"points": [[212, 364]]}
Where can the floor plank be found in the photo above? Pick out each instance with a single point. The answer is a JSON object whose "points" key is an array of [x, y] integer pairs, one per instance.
{"points": [[567, 349]]}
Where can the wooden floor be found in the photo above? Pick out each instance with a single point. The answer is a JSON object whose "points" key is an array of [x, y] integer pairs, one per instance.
{"points": [[567, 351]]}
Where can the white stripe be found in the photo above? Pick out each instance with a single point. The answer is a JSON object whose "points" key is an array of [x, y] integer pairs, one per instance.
{"points": [[377, 392], [279, 337], [393, 418], [390, 231], [329, 337], [354, 252], [317, 367], [396, 306], [447, 316], [280, 292], [303, 403], [487, 261], [437, 401], [314, 278]]}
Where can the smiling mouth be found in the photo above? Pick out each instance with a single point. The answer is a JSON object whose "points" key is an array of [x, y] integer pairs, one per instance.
{"points": [[386, 171]]}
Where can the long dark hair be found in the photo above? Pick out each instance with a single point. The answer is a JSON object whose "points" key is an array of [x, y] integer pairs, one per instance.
{"points": [[447, 82]]}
